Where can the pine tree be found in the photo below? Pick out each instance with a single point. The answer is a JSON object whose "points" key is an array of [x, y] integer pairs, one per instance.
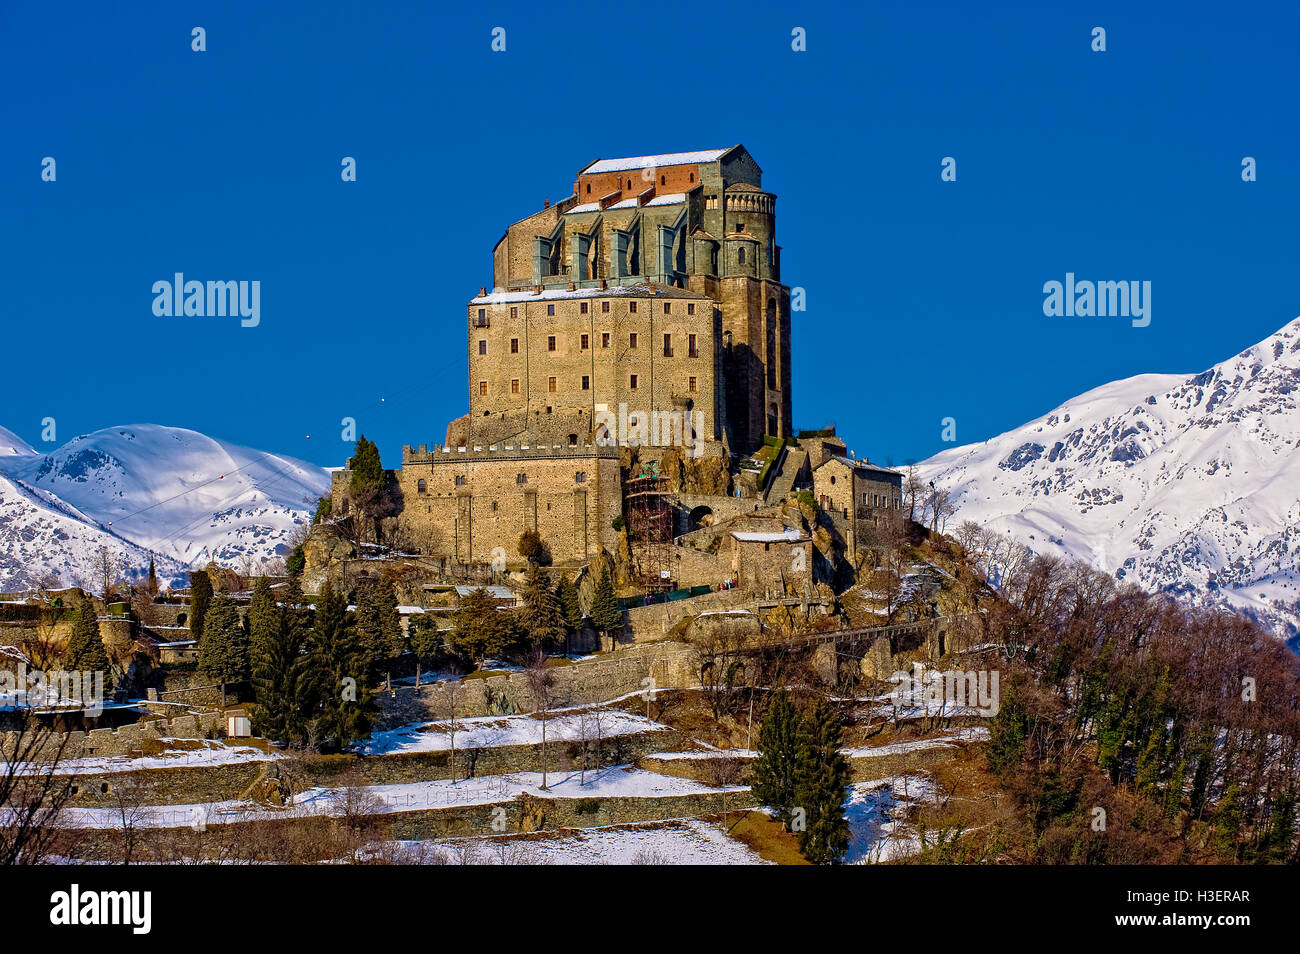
{"points": [[224, 647], [543, 612], [773, 774], [85, 651], [338, 664], [605, 614], [153, 579], [821, 778], [200, 597], [281, 670], [367, 471], [379, 625]]}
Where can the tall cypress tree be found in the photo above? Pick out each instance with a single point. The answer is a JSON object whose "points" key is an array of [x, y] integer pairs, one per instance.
{"points": [[821, 779], [200, 597], [570, 603], [543, 614], [281, 671], [774, 773], [338, 663], [85, 650], [263, 616], [605, 614]]}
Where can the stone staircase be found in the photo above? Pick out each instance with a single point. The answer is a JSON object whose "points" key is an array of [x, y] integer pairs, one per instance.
{"points": [[793, 461]]}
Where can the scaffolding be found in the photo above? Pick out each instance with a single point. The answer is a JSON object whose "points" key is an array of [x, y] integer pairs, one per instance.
{"points": [[650, 508]]}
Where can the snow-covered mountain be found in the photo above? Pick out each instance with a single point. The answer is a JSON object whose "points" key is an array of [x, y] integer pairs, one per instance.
{"points": [[11, 445], [146, 489], [1187, 484]]}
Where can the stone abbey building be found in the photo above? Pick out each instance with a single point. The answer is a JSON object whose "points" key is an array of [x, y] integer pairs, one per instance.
{"points": [[645, 309]]}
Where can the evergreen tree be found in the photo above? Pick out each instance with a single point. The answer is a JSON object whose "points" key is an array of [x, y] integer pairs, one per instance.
{"points": [[605, 614], [153, 579], [263, 617], [481, 630], [296, 562], [338, 664], [821, 778], [426, 639], [570, 603], [367, 471], [282, 677], [773, 774], [379, 625], [543, 612], [200, 597], [85, 651], [224, 647]]}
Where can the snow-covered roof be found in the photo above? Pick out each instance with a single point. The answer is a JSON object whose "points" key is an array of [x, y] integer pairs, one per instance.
{"points": [[789, 535], [645, 162], [496, 592], [671, 198], [858, 464]]}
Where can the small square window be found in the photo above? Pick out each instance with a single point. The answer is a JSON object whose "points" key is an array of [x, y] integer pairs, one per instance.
{"points": [[521, 478], [690, 308], [583, 308], [604, 306]]}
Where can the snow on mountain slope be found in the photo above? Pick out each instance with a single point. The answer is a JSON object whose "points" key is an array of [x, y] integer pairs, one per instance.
{"points": [[1187, 484], [11, 445], [174, 491], [41, 538]]}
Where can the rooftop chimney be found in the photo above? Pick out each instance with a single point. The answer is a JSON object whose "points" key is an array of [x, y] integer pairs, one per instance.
{"points": [[572, 287], [482, 291], [546, 203]]}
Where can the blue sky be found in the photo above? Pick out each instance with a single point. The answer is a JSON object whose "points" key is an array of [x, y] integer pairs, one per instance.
{"points": [[924, 297]]}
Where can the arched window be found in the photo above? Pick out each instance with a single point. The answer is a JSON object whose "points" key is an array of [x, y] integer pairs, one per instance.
{"points": [[421, 487], [740, 255]]}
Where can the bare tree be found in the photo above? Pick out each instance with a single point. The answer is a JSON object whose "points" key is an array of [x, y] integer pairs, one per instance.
{"points": [[541, 683], [33, 792]]}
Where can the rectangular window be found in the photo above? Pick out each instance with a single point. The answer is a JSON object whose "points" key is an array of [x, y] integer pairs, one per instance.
{"points": [[604, 306], [690, 308], [550, 309], [631, 340], [631, 307], [690, 346], [583, 308], [514, 312], [691, 385], [514, 385], [604, 339], [668, 346], [668, 308], [482, 388], [514, 345], [550, 342], [482, 347], [586, 342], [586, 383], [550, 385], [632, 383]]}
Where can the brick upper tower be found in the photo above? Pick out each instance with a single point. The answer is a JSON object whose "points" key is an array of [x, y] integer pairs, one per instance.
{"points": [[692, 231]]}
